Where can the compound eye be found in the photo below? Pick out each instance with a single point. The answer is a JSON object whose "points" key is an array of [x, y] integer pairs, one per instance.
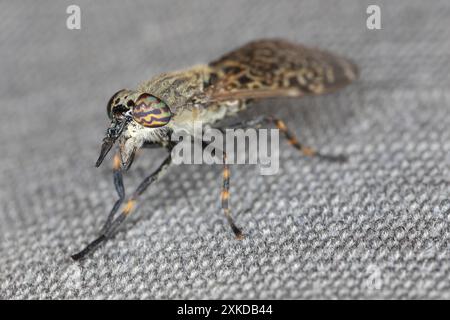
{"points": [[151, 112]]}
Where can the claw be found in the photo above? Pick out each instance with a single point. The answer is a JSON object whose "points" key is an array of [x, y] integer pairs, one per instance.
{"points": [[341, 158]]}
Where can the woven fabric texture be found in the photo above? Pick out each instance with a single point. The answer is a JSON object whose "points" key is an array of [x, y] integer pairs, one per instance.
{"points": [[374, 227]]}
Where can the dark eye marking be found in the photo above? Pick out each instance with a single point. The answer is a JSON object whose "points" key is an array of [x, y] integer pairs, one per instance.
{"points": [[130, 103], [120, 108], [110, 103]]}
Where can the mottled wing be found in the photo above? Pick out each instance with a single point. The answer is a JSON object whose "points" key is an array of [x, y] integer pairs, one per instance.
{"points": [[273, 68]]}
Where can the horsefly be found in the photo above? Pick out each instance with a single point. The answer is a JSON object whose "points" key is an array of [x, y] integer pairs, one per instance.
{"points": [[206, 94]]}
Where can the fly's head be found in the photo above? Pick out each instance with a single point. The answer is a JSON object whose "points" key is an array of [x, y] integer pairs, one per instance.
{"points": [[136, 118]]}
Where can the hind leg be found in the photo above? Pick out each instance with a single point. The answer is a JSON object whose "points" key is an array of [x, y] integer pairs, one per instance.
{"points": [[290, 137]]}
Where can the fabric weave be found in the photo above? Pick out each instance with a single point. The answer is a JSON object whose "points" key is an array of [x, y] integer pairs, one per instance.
{"points": [[375, 227]]}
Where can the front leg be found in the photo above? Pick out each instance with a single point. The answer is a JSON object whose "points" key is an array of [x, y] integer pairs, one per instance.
{"points": [[111, 224], [118, 184]]}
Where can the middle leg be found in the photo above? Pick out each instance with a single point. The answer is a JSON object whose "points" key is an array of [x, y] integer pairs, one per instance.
{"points": [[225, 196]]}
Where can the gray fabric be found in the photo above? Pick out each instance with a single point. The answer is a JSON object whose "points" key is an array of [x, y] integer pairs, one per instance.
{"points": [[375, 227]]}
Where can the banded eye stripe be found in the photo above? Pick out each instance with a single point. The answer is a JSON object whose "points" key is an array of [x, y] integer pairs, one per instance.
{"points": [[148, 99], [155, 108], [153, 122], [138, 112], [156, 113], [150, 111]]}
